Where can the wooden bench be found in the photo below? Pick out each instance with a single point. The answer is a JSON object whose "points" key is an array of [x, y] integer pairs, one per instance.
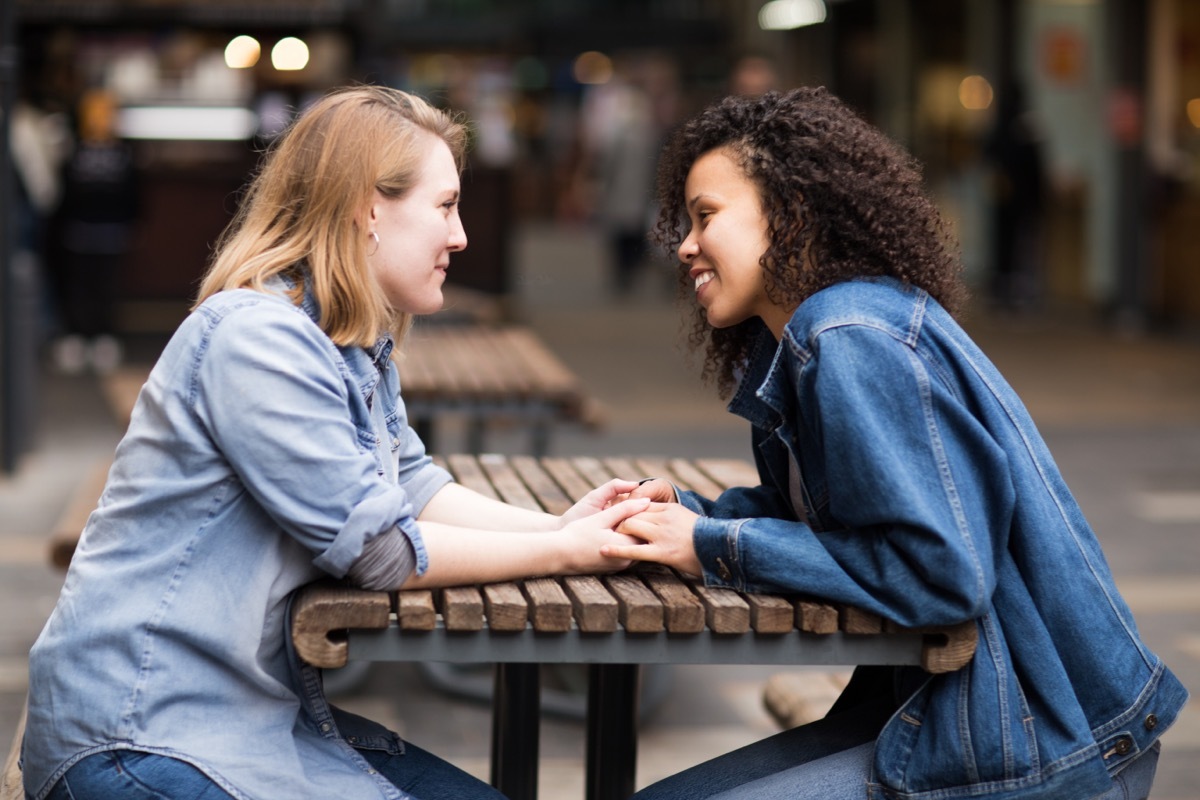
{"points": [[648, 615]]}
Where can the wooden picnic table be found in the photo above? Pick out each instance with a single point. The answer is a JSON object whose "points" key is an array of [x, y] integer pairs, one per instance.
{"points": [[613, 623], [488, 374]]}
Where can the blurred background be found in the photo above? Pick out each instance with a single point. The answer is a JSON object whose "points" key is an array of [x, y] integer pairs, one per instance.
{"points": [[1061, 138]]}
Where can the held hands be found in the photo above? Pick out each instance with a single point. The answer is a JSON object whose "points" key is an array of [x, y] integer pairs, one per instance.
{"points": [[635, 522], [591, 536], [599, 499], [663, 533]]}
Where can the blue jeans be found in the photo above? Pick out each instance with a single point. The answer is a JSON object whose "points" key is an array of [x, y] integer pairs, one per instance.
{"points": [[132, 775], [798, 765]]}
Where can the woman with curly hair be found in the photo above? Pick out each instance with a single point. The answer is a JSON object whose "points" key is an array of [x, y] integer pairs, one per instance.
{"points": [[899, 474]]}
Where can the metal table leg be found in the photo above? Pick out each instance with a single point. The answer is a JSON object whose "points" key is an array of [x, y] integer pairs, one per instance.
{"points": [[515, 729], [611, 731]]}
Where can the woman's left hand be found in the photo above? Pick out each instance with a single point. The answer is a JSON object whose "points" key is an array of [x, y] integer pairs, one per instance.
{"points": [[597, 500], [665, 530]]}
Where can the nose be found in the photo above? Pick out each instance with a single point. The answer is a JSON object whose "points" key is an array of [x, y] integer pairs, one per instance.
{"points": [[458, 235], [688, 249]]}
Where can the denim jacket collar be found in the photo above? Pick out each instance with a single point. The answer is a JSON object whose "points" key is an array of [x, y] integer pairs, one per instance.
{"points": [[762, 397]]}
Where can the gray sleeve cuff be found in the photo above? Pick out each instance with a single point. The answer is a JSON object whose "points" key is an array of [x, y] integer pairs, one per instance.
{"points": [[386, 562]]}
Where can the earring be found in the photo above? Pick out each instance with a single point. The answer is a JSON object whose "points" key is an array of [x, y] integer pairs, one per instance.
{"points": [[374, 236]]}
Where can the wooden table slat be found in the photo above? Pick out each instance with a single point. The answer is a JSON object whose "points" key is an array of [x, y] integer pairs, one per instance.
{"points": [[857, 621], [594, 608], [461, 608], [549, 606], [505, 606], [724, 609], [622, 468], [682, 609], [593, 472], [770, 614], [415, 610], [469, 472], [568, 477], [541, 484], [639, 610], [696, 480], [813, 616], [729, 472], [508, 483]]}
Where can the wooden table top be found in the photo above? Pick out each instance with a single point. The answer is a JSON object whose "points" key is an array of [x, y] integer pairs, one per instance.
{"points": [[649, 599]]}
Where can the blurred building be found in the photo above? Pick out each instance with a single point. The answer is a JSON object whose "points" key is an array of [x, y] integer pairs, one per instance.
{"points": [[1109, 115]]}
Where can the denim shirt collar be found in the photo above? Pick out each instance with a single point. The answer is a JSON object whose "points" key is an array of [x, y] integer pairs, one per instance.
{"points": [[365, 364]]}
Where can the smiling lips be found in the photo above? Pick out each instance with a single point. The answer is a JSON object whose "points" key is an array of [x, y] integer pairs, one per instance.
{"points": [[703, 278]]}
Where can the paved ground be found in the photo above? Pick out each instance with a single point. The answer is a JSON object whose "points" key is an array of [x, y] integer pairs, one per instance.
{"points": [[1121, 414]]}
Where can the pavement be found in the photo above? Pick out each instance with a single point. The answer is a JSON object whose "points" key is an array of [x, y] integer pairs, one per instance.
{"points": [[1120, 411]]}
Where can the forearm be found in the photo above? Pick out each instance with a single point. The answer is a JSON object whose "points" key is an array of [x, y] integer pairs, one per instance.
{"points": [[459, 556], [456, 505]]}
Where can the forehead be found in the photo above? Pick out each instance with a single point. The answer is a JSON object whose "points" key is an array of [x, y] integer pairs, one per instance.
{"points": [[717, 174], [438, 171]]}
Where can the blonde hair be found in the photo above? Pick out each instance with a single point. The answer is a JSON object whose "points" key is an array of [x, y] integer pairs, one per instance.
{"points": [[307, 204]]}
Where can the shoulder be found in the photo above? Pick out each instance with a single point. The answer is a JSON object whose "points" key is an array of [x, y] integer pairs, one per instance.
{"points": [[885, 306], [247, 320]]}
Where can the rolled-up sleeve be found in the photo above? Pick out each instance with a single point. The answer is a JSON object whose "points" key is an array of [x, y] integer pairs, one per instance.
{"points": [[270, 390]]}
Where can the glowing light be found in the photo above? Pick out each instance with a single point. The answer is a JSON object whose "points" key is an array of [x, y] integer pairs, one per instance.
{"points": [[975, 93], [242, 52], [289, 54], [1193, 112], [784, 15], [194, 123], [593, 67]]}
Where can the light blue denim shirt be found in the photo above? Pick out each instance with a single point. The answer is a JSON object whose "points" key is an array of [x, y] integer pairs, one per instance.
{"points": [[901, 474], [251, 467]]}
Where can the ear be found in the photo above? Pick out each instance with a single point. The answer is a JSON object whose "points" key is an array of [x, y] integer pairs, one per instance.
{"points": [[372, 213]]}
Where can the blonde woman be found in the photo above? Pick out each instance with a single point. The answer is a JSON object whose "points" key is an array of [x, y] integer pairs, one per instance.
{"points": [[270, 447]]}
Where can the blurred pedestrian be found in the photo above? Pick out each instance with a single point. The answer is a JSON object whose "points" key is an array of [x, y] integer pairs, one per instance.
{"points": [[93, 236], [1013, 150], [620, 141], [899, 474], [268, 448]]}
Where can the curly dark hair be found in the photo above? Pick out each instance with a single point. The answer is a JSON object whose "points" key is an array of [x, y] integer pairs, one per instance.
{"points": [[842, 201]]}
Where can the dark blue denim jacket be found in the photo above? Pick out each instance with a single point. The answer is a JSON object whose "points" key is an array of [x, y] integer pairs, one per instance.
{"points": [[928, 496]]}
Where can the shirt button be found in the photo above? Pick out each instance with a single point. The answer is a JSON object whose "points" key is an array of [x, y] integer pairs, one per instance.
{"points": [[352, 739], [723, 570], [1151, 722], [1124, 745], [325, 727]]}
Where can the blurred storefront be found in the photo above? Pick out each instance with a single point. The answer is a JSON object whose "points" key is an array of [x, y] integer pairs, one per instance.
{"points": [[1062, 137]]}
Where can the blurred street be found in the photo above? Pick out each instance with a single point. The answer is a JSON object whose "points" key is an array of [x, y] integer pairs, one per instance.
{"points": [[1121, 414]]}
